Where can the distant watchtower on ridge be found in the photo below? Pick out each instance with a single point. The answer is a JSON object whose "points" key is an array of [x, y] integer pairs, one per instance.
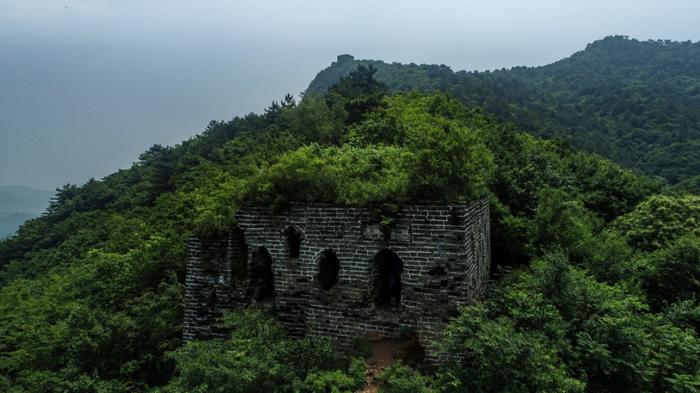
{"points": [[345, 58]]}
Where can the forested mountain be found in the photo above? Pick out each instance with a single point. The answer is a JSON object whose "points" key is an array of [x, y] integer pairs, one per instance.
{"points": [[19, 203], [636, 102], [596, 267]]}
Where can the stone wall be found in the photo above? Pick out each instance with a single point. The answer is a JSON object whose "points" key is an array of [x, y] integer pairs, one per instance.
{"points": [[443, 249]]}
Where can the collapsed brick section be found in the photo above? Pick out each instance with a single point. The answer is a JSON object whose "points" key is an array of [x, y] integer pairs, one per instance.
{"points": [[333, 271]]}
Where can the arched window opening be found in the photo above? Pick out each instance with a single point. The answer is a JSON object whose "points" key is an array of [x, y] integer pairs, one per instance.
{"points": [[211, 300], [261, 276], [387, 279], [211, 304], [328, 269], [239, 255], [294, 237], [453, 217]]}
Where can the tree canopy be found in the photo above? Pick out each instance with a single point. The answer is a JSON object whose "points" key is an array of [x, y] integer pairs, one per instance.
{"points": [[635, 102], [594, 264]]}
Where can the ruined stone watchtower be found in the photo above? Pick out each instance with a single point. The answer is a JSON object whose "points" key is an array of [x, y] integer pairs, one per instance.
{"points": [[334, 271]]}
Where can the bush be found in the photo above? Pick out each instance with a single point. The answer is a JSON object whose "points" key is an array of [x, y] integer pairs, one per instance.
{"points": [[552, 327], [258, 357], [327, 382], [674, 273], [561, 222], [500, 357], [335, 381], [660, 220], [400, 379]]}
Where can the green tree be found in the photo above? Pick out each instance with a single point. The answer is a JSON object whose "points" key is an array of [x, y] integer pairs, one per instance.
{"points": [[674, 273], [659, 220], [258, 357], [356, 94]]}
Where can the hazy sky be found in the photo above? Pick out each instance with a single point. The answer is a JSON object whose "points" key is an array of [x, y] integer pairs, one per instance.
{"points": [[87, 85]]}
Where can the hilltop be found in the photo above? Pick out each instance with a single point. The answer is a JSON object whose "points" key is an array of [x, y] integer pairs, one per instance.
{"points": [[595, 266], [635, 102]]}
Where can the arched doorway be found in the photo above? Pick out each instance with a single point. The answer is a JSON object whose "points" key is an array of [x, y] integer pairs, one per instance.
{"points": [[294, 236], [328, 268], [239, 256], [387, 279], [262, 280]]}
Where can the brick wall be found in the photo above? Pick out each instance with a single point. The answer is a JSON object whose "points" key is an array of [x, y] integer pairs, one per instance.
{"points": [[444, 250]]}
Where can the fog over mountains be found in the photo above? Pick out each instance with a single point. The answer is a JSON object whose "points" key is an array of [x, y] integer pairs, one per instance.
{"points": [[18, 204]]}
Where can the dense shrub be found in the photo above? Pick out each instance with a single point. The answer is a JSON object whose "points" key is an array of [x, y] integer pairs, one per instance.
{"points": [[552, 327], [335, 381], [659, 220], [258, 357], [401, 379], [674, 273]]}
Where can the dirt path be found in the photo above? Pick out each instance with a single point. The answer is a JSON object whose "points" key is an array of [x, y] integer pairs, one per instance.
{"points": [[383, 355]]}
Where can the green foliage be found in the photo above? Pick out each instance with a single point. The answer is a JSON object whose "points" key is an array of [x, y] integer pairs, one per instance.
{"points": [[400, 379], [371, 175], [554, 328], [609, 258], [689, 186], [356, 94], [674, 273], [91, 292], [72, 326], [500, 358], [685, 314], [561, 222], [346, 175], [448, 160], [215, 201], [258, 357], [659, 220], [362, 347], [606, 188], [328, 382], [302, 176], [433, 158], [313, 121], [335, 381], [528, 170], [633, 102]]}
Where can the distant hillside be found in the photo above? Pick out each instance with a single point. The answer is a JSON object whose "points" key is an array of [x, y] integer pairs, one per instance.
{"points": [[9, 224], [18, 204], [636, 102]]}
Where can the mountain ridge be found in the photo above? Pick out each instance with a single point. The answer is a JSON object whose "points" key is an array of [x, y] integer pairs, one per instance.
{"points": [[636, 102]]}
